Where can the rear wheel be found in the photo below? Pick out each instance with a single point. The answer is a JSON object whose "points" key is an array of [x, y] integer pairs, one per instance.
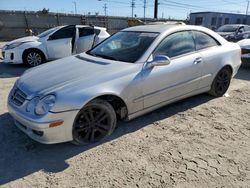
{"points": [[33, 58], [94, 122], [221, 82]]}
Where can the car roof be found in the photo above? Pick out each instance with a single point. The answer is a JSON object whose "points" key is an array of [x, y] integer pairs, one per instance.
{"points": [[96, 27], [162, 28], [150, 28]]}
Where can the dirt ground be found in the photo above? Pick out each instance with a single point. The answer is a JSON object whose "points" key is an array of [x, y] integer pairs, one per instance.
{"points": [[199, 142]]}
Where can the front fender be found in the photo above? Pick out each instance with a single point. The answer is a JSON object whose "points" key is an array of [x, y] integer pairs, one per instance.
{"points": [[35, 44], [126, 88]]}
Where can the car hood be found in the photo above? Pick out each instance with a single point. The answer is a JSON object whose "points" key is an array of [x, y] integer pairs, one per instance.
{"points": [[245, 43], [24, 39], [72, 72]]}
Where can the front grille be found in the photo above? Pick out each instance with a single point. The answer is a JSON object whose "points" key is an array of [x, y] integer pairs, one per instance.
{"points": [[17, 96], [245, 51]]}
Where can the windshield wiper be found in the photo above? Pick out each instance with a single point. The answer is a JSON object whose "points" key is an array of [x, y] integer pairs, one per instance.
{"points": [[104, 56]]}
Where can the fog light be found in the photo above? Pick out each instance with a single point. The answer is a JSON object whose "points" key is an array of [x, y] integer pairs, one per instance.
{"points": [[12, 56], [38, 133]]}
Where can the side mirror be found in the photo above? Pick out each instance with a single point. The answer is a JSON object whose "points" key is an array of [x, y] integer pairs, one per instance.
{"points": [[159, 60]]}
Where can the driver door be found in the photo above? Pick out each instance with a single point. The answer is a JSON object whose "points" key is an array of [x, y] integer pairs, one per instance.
{"points": [[60, 44], [182, 76]]}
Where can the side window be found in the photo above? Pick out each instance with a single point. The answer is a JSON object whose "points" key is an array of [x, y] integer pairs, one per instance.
{"points": [[176, 44], [203, 40], [65, 32], [85, 31]]}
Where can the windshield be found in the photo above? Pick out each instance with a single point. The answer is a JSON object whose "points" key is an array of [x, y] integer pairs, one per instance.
{"points": [[228, 28], [124, 46], [47, 32]]}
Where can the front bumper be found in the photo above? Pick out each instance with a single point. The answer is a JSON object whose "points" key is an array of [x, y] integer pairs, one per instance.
{"points": [[12, 56], [39, 129]]}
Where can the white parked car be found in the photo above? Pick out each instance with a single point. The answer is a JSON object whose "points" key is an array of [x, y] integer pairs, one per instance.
{"points": [[55, 43], [135, 71]]}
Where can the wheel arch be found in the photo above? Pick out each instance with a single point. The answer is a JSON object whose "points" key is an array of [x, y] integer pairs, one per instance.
{"points": [[33, 49], [119, 104], [229, 66]]}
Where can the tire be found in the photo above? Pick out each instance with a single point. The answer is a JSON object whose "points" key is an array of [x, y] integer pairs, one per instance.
{"points": [[33, 58], [221, 82], [94, 122]]}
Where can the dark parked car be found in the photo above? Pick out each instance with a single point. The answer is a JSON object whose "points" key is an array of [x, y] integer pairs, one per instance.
{"points": [[234, 32], [245, 51]]}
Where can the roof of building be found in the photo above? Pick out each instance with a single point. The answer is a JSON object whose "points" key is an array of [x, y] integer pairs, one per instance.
{"points": [[218, 13]]}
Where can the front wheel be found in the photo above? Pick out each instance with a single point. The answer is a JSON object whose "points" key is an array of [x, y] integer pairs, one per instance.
{"points": [[33, 58], [94, 122], [221, 82]]}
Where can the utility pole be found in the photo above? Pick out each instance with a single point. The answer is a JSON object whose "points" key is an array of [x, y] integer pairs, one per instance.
{"points": [[133, 6], [247, 8], [144, 7], [156, 10], [105, 9], [74, 2]]}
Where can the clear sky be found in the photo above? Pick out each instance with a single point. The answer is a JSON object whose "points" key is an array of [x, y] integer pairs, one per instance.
{"points": [[167, 8]]}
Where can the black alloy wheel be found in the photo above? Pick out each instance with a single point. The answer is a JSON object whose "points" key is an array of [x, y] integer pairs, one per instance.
{"points": [[221, 82], [94, 122]]}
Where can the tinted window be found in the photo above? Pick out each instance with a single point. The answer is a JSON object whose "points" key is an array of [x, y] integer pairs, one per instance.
{"points": [[85, 31], [228, 28], [66, 32], [204, 41], [125, 46], [47, 32], [176, 44]]}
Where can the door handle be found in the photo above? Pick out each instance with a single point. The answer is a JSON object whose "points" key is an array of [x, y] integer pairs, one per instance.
{"points": [[198, 60]]}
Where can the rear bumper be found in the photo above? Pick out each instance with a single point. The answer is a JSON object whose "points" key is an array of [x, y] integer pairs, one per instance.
{"points": [[40, 131]]}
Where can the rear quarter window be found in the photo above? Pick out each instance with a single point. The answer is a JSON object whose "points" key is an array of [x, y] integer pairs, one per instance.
{"points": [[86, 31], [203, 40]]}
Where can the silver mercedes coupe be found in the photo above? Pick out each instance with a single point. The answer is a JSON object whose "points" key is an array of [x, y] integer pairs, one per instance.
{"points": [[139, 69]]}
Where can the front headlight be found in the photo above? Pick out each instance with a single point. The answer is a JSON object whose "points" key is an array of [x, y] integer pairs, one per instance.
{"points": [[41, 106], [14, 45]]}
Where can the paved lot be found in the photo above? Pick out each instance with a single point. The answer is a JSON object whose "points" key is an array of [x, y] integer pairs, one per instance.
{"points": [[198, 142]]}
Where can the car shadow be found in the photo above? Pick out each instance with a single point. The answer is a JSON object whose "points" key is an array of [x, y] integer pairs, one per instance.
{"points": [[10, 71], [21, 156], [243, 73]]}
